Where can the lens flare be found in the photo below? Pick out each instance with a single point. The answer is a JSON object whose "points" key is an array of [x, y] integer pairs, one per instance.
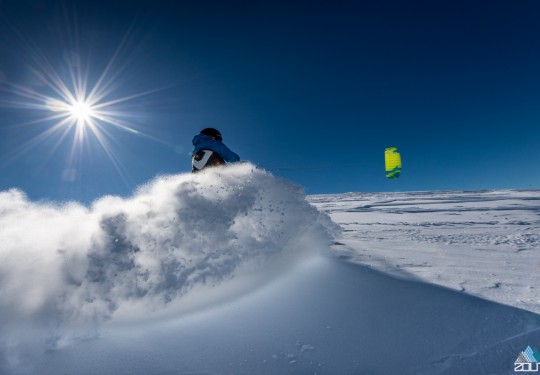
{"points": [[73, 100]]}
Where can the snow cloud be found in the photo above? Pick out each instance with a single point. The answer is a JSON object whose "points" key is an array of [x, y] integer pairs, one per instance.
{"points": [[63, 264]]}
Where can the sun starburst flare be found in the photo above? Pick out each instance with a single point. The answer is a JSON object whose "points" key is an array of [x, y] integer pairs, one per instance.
{"points": [[73, 106]]}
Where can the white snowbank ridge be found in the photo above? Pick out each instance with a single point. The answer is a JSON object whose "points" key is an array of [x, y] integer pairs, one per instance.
{"points": [[67, 262]]}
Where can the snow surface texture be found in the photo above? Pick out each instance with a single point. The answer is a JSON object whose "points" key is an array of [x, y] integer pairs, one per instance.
{"points": [[486, 243], [230, 271]]}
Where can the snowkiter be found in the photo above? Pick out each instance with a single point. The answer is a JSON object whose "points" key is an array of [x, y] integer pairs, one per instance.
{"points": [[210, 151]]}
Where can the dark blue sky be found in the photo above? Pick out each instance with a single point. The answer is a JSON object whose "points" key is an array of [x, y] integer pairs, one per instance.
{"points": [[313, 91]]}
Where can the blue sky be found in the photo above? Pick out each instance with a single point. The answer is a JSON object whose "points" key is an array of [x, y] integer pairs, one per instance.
{"points": [[313, 91]]}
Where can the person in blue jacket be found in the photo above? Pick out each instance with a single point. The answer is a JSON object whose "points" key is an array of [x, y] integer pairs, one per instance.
{"points": [[210, 151]]}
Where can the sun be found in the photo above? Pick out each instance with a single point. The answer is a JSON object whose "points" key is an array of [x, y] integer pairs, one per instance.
{"points": [[81, 104], [74, 107], [81, 111]]}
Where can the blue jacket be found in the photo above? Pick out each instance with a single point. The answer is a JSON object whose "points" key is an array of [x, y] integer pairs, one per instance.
{"points": [[204, 142]]}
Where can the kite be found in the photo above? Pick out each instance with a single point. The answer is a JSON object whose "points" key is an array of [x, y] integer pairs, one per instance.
{"points": [[392, 160]]}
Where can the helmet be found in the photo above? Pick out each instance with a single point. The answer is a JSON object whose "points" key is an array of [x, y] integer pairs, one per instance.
{"points": [[211, 132]]}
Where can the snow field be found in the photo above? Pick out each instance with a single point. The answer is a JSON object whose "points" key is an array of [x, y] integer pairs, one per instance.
{"points": [[486, 243]]}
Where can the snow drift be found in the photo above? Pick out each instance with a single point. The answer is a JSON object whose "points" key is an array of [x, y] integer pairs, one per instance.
{"points": [[230, 272], [126, 257]]}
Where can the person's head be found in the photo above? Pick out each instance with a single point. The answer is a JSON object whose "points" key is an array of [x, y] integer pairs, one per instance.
{"points": [[211, 132]]}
